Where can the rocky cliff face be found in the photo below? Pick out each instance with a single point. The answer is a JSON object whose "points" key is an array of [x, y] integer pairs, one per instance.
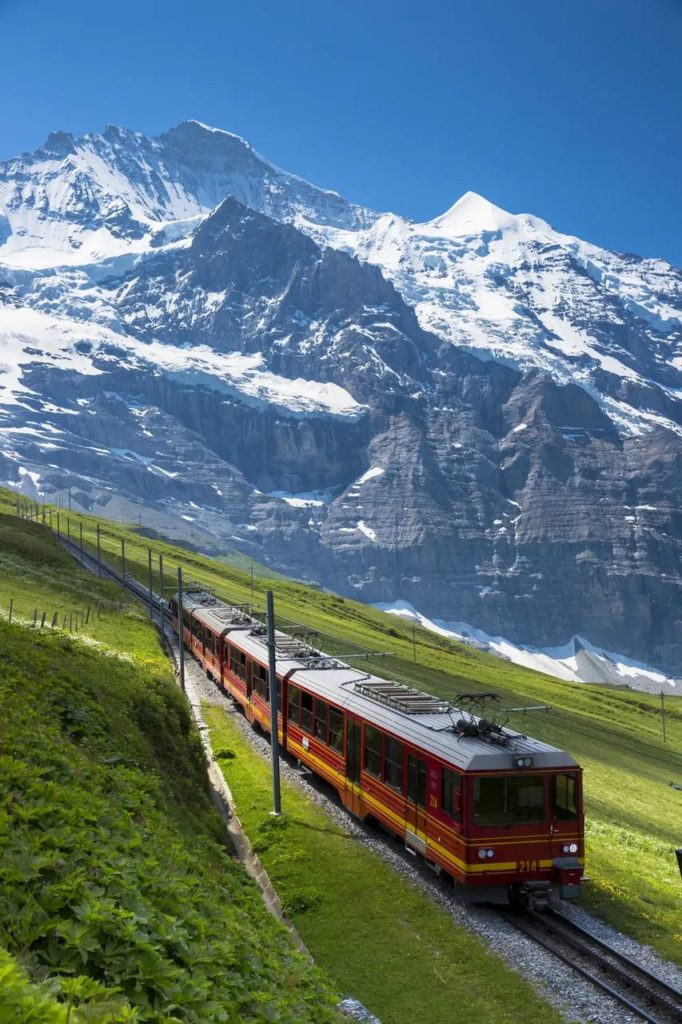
{"points": [[478, 416]]}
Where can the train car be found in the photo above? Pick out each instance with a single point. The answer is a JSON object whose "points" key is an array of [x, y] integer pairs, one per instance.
{"points": [[500, 812]]}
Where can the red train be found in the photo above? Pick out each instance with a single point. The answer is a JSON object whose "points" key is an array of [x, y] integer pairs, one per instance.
{"points": [[499, 812]]}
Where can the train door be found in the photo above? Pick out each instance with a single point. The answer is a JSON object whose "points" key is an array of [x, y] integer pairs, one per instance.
{"points": [[352, 795], [415, 805], [565, 818], [353, 751]]}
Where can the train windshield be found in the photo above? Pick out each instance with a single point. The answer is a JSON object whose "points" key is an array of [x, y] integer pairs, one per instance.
{"points": [[509, 800]]}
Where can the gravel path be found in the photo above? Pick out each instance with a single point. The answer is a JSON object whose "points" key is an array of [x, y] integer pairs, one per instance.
{"points": [[576, 999]]}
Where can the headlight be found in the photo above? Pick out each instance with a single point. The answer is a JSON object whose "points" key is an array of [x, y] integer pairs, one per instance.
{"points": [[489, 853], [482, 855], [570, 848]]}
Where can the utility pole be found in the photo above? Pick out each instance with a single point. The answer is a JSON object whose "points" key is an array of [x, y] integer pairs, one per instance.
{"points": [[252, 581], [123, 557], [151, 592], [414, 643], [59, 536], [272, 686], [663, 714], [99, 552], [68, 530], [161, 593], [181, 631], [69, 499], [81, 529]]}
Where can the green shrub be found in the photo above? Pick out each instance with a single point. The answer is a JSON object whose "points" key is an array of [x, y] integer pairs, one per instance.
{"points": [[113, 869]]}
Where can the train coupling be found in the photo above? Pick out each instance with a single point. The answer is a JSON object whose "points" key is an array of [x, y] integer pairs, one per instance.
{"points": [[535, 895]]}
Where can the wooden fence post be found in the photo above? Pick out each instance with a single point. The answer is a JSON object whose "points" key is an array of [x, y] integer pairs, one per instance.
{"points": [[11, 605]]}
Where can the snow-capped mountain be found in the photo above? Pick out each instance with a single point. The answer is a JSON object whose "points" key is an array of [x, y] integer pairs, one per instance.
{"points": [[511, 288], [476, 415], [78, 201]]}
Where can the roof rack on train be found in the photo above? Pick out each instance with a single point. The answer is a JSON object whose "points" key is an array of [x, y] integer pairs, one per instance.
{"points": [[233, 613], [200, 594], [402, 698]]}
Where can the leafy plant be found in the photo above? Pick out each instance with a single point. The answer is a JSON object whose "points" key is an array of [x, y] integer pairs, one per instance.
{"points": [[115, 881]]}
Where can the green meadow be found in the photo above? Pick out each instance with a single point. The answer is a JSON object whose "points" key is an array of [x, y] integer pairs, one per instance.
{"points": [[634, 813]]}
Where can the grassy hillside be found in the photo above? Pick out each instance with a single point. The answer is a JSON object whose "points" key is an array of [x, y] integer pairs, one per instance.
{"points": [[634, 813], [117, 894]]}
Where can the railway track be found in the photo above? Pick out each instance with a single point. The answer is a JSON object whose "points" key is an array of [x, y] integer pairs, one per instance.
{"points": [[645, 995], [88, 561], [642, 993]]}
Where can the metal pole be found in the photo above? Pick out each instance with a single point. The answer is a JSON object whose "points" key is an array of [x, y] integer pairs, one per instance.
{"points": [[59, 536], [272, 685], [252, 581], [123, 557], [161, 594], [663, 713], [68, 529], [414, 644], [81, 527], [99, 552], [151, 592], [181, 631]]}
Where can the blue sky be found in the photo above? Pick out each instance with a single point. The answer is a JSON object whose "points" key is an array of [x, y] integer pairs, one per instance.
{"points": [[572, 111]]}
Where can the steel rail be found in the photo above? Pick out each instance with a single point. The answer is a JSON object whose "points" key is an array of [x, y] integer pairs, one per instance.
{"points": [[646, 976], [653, 989]]}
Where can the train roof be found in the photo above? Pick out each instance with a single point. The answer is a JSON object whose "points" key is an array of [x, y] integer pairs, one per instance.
{"points": [[423, 721]]}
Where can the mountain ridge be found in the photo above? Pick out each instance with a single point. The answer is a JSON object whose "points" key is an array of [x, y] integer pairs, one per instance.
{"points": [[477, 414]]}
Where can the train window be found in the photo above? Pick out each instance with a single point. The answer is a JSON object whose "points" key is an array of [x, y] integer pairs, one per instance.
{"points": [[335, 729], [373, 751], [564, 802], [259, 680], [294, 699], [509, 800], [416, 780], [186, 618], [321, 720], [393, 763], [451, 794], [237, 663], [306, 711]]}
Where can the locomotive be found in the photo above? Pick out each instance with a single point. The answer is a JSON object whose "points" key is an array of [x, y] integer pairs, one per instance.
{"points": [[499, 812]]}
